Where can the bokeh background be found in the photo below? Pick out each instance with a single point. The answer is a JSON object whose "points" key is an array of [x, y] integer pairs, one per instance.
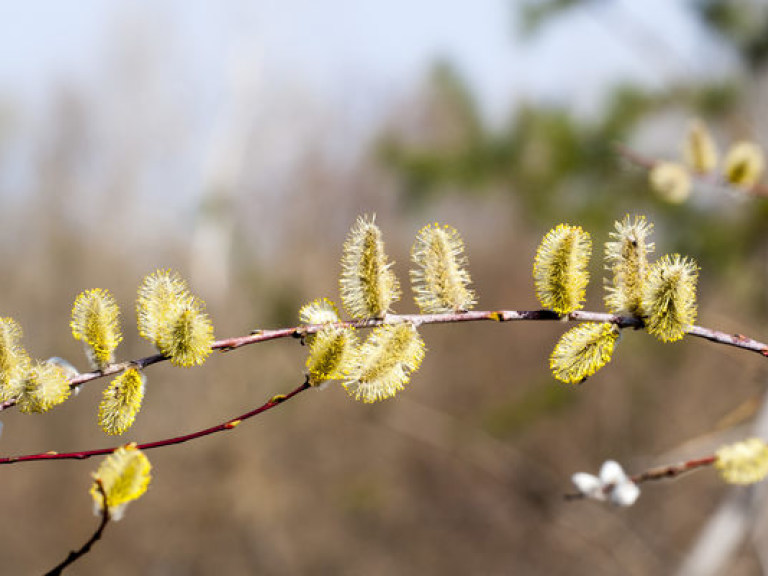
{"points": [[237, 142]]}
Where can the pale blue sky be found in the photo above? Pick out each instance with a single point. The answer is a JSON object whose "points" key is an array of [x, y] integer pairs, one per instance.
{"points": [[333, 44]]}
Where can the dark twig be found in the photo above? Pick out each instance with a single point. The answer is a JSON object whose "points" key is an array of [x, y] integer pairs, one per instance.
{"points": [[77, 554]]}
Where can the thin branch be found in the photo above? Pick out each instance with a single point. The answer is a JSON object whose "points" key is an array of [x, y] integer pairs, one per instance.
{"points": [[228, 344], [672, 470], [76, 554], [224, 426], [710, 178], [635, 157], [665, 472]]}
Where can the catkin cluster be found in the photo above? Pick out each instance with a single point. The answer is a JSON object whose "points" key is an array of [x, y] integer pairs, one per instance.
{"points": [[742, 167], [662, 294], [381, 365], [33, 385], [168, 315]]}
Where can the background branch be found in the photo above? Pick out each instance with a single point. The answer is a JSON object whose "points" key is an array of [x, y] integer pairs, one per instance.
{"points": [[658, 473], [712, 178]]}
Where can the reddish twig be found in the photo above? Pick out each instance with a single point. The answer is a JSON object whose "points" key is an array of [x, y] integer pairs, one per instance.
{"points": [[634, 157], [228, 425], [76, 554], [672, 470]]}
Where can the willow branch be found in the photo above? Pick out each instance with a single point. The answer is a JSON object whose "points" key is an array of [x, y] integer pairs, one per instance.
{"points": [[257, 336], [711, 178], [224, 426], [76, 554]]}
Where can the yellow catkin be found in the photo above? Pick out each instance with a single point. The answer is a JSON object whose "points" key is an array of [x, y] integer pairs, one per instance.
{"points": [[124, 476], [744, 164], [669, 297], [626, 257], [671, 182], [44, 386], [174, 320], [188, 339], [96, 323], [319, 311], [161, 297], [582, 351], [387, 358], [560, 268], [332, 354], [14, 361], [699, 149], [121, 402], [743, 462], [440, 280], [368, 285]]}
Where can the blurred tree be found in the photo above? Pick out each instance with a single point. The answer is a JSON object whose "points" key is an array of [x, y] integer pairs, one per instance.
{"points": [[742, 25], [558, 165]]}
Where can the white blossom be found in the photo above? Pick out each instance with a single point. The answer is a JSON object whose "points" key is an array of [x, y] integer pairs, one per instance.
{"points": [[612, 484]]}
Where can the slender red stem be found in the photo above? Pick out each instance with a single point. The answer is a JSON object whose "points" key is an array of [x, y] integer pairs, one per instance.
{"points": [[672, 470], [228, 425]]}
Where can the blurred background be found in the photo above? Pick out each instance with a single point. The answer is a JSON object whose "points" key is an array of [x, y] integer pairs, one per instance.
{"points": [[237, 142]]}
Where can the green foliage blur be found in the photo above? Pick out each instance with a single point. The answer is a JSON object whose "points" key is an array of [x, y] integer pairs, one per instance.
{"points": [[559, 165]]}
